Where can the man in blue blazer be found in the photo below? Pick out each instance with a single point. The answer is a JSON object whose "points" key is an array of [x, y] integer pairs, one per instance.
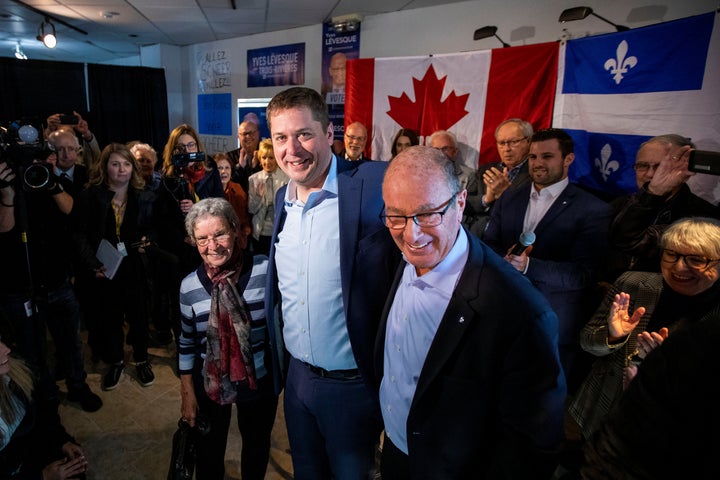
{"points": [[331, 265], [467, 349], [571, 229]]}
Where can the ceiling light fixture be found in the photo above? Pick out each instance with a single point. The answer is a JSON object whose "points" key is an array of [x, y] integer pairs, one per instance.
{"points": [[489, 31], [346, 23], [579, 13], [19, 54], [47, 34]]}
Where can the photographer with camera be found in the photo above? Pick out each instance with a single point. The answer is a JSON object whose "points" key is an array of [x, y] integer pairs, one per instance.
{"points": [[64, 159], [35, 289], [663, 197], [188, 176], [76, 124]]}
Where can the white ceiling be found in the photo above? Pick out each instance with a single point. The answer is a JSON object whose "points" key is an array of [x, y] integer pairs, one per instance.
{"points": [[135, 23]]}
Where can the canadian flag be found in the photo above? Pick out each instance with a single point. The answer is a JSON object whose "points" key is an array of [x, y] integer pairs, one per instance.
{"points": [[468, 94]]}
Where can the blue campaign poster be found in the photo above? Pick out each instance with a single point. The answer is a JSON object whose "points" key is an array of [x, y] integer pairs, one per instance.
{"points": [[215, 114], [276, 66]]}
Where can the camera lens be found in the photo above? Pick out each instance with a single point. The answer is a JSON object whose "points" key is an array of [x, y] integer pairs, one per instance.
{"points": [[36, 176]]}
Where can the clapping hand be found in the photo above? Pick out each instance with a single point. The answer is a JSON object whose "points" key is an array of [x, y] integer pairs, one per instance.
{"points": [[620, 322], [649, 341], [496, 182]]}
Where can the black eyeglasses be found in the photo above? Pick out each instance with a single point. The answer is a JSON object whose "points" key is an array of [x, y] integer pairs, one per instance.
{"points": [[184, 147], [644, 166], [423, 220], [697, 262], [511, 143]]}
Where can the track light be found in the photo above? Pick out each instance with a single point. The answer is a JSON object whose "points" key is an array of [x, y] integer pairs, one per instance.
{"points": [[579, 13], [19, 54], [346, 23], [489, 31], [47, 34]]}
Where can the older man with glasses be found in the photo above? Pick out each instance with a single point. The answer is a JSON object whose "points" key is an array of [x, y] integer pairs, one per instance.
{"points": [[471, 383], [663, 196], [513, 143], [245, 159], [355, 140]]}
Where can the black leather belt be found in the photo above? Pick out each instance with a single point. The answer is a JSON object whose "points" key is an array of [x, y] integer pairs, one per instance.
{"points": [[352, 374]]}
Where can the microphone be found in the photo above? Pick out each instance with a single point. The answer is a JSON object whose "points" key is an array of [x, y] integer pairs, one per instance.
{"points": [[526, 239]]}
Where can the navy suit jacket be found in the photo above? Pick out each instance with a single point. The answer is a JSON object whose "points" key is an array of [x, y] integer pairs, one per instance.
{"points": [[489, 399], [572, 238], [368, 258]]}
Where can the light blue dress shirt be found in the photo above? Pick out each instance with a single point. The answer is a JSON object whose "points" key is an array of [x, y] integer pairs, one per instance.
{"points": [[307, 257], [416, 312]]}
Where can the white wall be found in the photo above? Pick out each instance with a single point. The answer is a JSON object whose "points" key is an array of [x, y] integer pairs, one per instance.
{"points": [[439, 29]]}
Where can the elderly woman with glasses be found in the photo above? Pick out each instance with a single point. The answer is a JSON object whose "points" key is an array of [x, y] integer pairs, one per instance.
{"points": [[224, 352], [643, 308]]}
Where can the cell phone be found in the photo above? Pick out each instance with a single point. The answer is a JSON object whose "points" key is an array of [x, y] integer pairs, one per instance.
{"points": [[70, 119], [704, 161]]}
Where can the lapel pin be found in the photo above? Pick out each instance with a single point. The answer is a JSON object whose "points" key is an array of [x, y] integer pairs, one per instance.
{"points": [[462, 319]]}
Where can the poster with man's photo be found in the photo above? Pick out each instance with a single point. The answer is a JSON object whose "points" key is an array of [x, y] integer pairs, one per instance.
{"points": [[337, 49]]}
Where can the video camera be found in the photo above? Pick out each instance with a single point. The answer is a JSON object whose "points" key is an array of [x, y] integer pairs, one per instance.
{"points": [[22, 147], [180, 161]]}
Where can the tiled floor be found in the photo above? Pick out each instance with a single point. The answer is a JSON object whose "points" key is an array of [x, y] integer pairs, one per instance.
{"points": [[130, 437]]}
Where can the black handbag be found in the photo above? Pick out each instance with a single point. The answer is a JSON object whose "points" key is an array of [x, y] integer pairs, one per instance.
{"points": [[184, 449]]}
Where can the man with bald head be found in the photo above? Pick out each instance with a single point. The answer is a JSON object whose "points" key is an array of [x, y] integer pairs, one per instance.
{"points": [[471, 382], [663, 196], [355, 141], [245, 159], [447, 143], [337, 72]]}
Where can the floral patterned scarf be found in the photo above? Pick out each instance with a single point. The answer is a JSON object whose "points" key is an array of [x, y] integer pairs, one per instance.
{"points": [[229, 358]]}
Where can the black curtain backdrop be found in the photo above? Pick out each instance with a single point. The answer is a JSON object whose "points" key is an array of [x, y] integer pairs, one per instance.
{"points": [[125, 103], [130, 103], [36, 89]]}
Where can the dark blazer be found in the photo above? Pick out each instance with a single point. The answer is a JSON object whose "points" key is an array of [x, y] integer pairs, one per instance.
{"points": [[368, 258], [489, 400], [571, 241], [478, 214], [79, 180]]}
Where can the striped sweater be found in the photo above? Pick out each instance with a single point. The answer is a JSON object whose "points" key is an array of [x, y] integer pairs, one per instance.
{"points": [[195, 308]]}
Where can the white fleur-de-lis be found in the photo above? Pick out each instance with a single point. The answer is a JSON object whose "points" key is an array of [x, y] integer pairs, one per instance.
{"points": [[620, 66], [604, 164]]}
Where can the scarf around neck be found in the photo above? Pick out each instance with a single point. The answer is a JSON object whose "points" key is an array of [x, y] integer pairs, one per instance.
{"points": [[229, 358]]}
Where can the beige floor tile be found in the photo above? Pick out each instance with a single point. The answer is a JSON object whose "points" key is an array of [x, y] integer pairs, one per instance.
{"points": [[130, 437]]}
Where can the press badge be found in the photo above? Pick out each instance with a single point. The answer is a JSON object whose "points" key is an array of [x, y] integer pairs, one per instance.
{"points": [[121, 248]]}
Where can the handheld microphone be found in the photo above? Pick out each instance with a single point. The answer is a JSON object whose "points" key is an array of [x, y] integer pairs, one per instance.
{"points": [[526, 239]]}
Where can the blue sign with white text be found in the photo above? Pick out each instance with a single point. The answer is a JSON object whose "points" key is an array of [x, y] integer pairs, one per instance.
{"points": [[276, 66]]}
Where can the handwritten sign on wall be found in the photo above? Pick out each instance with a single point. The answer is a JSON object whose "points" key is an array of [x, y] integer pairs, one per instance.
{"points": [[213, 70]]}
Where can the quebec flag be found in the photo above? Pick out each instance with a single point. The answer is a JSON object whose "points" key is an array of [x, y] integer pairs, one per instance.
{"points": [[617, 90]]}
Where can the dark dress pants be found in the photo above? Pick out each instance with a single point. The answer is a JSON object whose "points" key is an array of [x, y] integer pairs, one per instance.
{"points": [[255, 416], [333, 425]]}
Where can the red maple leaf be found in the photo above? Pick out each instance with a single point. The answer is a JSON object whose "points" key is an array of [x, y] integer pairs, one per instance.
{"points": [[428, 113]]}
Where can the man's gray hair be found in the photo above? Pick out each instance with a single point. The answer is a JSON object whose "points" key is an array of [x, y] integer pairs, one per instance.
{"points": [[525, 127]]}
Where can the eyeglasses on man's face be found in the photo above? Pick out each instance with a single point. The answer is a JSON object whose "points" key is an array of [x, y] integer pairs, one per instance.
{"points": [[220, 238], [511, 143], [422, 220], [644, 166], [697, 262], [185, 147], [353, 138], [251, 133]]}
